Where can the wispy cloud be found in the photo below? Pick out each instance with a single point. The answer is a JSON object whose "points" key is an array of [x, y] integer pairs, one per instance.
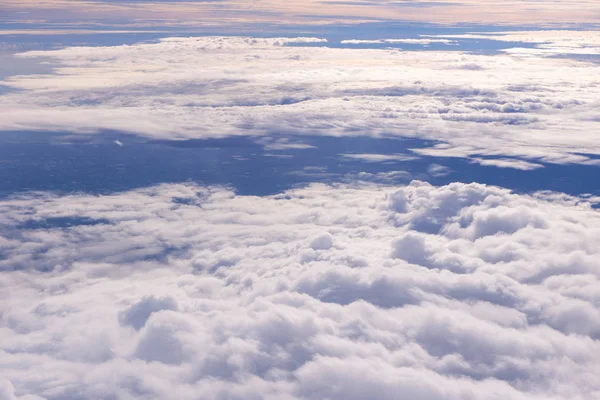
{"points": [[375, 158], [507, 163]]}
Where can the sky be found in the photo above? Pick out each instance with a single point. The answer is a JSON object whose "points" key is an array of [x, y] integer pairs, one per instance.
{"points": [[227, 13], [345, 200]]}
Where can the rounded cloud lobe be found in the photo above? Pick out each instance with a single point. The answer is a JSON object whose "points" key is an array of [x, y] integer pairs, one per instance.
{"points": [[345, 292]]}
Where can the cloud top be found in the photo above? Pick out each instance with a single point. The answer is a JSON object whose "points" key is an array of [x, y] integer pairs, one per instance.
{"points": [[342, 292], [524, 108]]}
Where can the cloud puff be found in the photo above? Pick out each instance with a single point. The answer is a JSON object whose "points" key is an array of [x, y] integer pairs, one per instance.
{"points": [[533, 109], [137, 315], [345, 292]]}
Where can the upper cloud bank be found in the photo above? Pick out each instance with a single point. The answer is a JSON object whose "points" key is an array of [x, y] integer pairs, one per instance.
{"points": [[546, 42], [522, 104], [457, 292]]}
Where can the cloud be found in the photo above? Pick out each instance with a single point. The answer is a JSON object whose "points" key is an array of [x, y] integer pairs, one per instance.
{"points": [[228, 15], [137, 315], [394, 177], [546, 42], [423, 41], [530, 108], [375, 158], [354, 291], [507, 163], [283, 144], [437, 170]]}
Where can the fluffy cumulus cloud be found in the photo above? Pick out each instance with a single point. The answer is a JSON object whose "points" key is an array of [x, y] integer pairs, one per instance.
{"points": [[526, 106], [328, 292]]}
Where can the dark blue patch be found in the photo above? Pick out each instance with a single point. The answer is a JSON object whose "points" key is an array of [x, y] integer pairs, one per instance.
{"points": [[98, 165], [61, 222]]}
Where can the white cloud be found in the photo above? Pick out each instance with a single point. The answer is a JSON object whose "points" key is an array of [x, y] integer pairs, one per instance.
{"points": [[549, 42], [422, 41], [438, 170], [527, 107], [137, 315], [375, 158], [393, 177], [343, 292], [362, 41], [283, 144], [507, 163]]}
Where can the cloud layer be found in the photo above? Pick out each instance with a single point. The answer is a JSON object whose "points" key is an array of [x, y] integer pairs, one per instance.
{"points": [[225, 14], [342, 292], [546, 42], [522, 105]]}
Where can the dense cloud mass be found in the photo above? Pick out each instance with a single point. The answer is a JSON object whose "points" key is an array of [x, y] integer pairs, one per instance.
{"points": [[328, 292], [524, 105]]}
